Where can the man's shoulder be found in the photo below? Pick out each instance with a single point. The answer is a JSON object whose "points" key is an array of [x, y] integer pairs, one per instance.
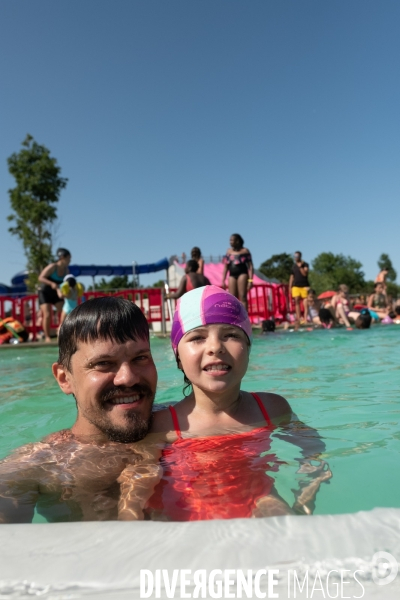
{"points": [[25, 457], [58, 436]]}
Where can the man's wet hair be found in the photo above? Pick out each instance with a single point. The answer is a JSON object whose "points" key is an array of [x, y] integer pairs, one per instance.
{"points": [[363, 320], [108, 318], [192, 266], [299, 253]]}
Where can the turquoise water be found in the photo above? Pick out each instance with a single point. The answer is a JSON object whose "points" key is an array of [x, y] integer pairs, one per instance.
{"points": [[344, 384]]}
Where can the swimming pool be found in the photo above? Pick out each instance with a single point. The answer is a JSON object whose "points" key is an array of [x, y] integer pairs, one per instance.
{"points": [[345, 384]]}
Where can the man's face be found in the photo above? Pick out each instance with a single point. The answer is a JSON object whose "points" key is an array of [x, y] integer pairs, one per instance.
{"points": [[114, 386], [297, 256]]}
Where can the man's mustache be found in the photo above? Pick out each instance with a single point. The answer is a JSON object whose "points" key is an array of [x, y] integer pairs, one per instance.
{"points": [[111, 393]]}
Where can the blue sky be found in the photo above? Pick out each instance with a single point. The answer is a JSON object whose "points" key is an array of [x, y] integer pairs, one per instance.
{"points": [[178, 123]]}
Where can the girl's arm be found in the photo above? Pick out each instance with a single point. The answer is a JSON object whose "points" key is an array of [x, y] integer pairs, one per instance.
{"points": [[314, 469], [224, 275], [251, 272]]}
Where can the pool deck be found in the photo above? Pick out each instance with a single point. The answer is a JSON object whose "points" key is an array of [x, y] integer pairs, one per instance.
{"points": [[103, 560]]}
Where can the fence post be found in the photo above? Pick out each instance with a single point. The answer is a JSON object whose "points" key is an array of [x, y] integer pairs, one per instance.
{"points": [[163, 324]]}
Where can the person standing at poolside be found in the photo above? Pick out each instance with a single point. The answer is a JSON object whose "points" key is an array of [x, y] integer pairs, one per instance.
{"points": [[51, 277], [299, 285], [105, 363], [192, 280], [195, 254], [239, 264]]}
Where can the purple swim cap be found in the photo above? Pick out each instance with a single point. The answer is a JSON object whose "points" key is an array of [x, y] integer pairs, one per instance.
{"points": [[205, 306]]}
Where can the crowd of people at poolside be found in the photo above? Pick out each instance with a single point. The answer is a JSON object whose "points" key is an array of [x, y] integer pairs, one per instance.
{"points": [[60, 289], [329, 309]]}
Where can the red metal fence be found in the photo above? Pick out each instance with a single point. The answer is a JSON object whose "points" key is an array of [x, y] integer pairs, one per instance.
{"points": [[264, 302]]}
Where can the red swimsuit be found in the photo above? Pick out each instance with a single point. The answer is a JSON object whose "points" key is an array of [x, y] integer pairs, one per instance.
{"points": [[218, 477]]}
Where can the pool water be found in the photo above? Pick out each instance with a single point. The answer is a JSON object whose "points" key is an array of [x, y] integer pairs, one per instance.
{"points": [[344, 384]]}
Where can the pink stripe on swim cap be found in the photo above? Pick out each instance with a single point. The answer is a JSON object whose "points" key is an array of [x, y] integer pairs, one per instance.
{"points": [[205, 306]]}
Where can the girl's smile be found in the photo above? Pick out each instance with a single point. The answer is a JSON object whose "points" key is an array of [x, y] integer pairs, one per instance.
{"points": [[214, 355]]}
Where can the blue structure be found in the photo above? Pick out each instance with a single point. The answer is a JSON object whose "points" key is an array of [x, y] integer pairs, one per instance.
{"points": [[18, 286]]}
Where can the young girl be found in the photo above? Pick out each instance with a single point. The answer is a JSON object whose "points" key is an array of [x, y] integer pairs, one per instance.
{"points": [[216, 441], [70, 291]]}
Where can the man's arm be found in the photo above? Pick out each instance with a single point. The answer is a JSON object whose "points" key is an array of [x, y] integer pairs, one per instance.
{"points": [[304, 269], [137, 482], [19, 488], [291, 284]]}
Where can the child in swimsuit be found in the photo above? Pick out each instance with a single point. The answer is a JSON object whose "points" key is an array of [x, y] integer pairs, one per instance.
{"points": [[70, 290], [214, 445]]}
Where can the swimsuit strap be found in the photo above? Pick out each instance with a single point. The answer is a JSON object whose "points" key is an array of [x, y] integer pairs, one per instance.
{"points": [[175, 421], [255, 396], [262, 408]]}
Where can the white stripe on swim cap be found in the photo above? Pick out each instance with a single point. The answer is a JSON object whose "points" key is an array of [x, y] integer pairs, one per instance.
{"points": [[190, 312]]}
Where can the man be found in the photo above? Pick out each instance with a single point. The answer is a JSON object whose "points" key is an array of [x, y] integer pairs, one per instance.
{"points": [[190, 281], [298, 285], [106, 364]]}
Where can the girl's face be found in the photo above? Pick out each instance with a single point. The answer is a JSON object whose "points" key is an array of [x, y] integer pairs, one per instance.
{"points": [[214, 357]]}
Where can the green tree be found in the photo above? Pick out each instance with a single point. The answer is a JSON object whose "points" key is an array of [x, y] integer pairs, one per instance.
{"points": [[330, 270], [119, 282], [33, 200], [384, 262], [279, 267]]}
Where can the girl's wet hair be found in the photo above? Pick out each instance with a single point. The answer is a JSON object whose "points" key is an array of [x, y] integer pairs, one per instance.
{"points": [[107, 318], [187, 388]]}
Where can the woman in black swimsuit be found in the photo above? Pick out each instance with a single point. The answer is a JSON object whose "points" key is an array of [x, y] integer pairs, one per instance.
{"points": [[239, 264], [51, 277]]}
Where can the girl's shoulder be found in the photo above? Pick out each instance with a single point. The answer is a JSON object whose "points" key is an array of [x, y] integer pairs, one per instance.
{"points": [[162, 425], [277, 407]]}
